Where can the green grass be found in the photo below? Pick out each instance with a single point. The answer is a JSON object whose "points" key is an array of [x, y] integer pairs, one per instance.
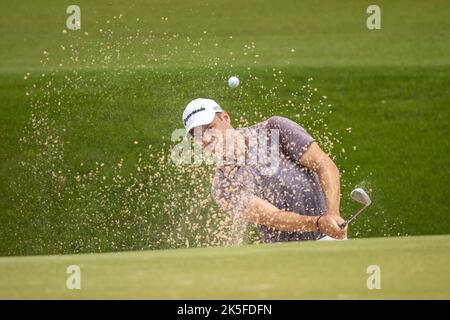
{"points": [[323, 32], [411, 268], [399, 129], [390, 86]]}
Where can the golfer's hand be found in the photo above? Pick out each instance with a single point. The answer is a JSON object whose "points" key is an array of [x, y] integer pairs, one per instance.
{"points": [[329, 224]]}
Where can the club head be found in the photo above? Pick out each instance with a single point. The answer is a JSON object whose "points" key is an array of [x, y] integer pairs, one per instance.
{"points": [[361, 196]]}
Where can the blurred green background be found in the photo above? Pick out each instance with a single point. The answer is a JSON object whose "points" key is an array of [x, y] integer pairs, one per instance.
{"points": [[74, 103]]}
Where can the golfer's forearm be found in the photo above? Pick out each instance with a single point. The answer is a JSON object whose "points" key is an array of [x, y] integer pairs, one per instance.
{"points": [[262, 212], [330, 182], [289, 221]]}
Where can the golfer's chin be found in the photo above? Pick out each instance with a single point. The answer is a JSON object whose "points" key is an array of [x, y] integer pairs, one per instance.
{"points": [[210, 154], [210, 150], [219, 161]]}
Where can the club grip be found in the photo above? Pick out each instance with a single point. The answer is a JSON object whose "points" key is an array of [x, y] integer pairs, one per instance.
{"points": [[343, 224]]}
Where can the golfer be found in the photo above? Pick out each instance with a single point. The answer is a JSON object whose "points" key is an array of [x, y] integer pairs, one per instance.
{"points": [[295, 197]]}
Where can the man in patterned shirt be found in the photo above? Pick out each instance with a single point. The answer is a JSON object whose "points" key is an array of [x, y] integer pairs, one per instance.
{"points": [[272, 173]]}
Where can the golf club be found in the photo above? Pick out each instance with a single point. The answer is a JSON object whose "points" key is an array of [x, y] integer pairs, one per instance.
{"points": [[362, 197]]}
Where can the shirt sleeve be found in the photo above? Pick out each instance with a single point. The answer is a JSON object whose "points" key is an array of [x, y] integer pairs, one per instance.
{"points": [[233, 194], [294, 140]]}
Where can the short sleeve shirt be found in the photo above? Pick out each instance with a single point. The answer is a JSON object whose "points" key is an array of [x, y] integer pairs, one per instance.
{"points": [[281, 180]]}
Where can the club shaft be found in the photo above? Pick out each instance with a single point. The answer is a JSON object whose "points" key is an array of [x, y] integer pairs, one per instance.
{"points": [[342, 225]]}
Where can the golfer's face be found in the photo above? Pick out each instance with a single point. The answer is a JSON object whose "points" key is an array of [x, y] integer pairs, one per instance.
{"points": [[210, 137]]}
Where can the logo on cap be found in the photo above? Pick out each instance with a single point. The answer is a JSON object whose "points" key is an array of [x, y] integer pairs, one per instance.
{"points": [[192, 113]]}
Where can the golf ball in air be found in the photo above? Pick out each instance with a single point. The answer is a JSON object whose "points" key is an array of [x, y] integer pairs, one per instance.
{"points": [[233, 82]]}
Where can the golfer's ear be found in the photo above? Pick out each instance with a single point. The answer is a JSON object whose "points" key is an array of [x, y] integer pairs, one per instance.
{"points": [[226, 117]]}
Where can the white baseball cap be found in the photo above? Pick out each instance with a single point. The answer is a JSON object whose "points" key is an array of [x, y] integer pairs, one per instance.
{"points": [[199, 112]]}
